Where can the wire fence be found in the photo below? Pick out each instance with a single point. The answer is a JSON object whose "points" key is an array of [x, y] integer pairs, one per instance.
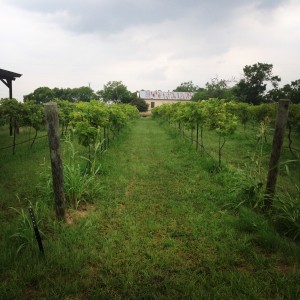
{"points": [[193, 140], [106, 137], [24, 142]]}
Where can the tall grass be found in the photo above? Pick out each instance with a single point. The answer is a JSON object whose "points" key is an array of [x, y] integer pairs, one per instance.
{"points": [[80, 182], [24, 233]]}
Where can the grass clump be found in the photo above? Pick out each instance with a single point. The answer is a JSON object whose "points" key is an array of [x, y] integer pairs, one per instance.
{"points": [[286, 215], [80, 182], [23, 234]]}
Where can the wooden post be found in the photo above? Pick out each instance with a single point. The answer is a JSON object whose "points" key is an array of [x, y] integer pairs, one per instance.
{"points": [[197, 137], [108, 137], [9, 82], [105, 138], [56, 160], [281, 120], [14, 141]]}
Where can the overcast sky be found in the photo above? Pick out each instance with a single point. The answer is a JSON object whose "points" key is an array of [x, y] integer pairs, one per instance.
{"points": [[147, 44]]}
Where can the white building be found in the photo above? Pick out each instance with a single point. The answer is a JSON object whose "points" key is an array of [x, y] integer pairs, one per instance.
{"points": [[157, 98]]}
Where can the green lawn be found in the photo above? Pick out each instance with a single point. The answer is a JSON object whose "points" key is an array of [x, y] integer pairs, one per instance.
{"points": [[159, 229]]}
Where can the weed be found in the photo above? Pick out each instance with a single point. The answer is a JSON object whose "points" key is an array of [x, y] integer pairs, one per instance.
{"points": [[245, 191], [79, 184], [24, 234], [249, 183], [286, 210], [286, 215], [44, 185]]}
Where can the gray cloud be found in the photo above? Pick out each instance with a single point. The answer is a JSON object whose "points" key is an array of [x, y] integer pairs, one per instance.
{"points": [[111, 16], [150, 44]]}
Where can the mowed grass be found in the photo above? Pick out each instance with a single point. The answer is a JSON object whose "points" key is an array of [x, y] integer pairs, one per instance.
{"points": [[160, 229]]}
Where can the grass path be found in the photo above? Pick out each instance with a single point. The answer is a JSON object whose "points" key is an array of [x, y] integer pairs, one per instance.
{"points": [[158, 231], [165, 231]]}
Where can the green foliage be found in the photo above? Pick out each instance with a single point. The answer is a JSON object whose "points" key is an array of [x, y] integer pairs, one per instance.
{"points": [[12, 113], [217, 88], [11, 110], [287, 215], [286, 210], [40, 95], [22, 114], [140, 104], [214, 114], [241, 110], [84, 94], [65, 109], [86, 133], [220, 119], [88, 118], [252, 88], [260, 112], [33, 115], [188, 86], [291, 91], [79, 184], [257, 157], [116, 92], [45, 94]]}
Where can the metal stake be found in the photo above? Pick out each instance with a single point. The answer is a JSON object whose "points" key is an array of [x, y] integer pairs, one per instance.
{"points": [[36, 231]]}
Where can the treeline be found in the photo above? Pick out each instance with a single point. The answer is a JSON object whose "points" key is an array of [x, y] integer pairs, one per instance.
{"points": [[113, 92], [257, 85]]}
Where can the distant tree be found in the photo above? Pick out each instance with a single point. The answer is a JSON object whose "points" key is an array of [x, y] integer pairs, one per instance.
{"points": [[216, 88], [252, 88], [40, 95], [140, 104], [63, 94], [292, 91], [59, 93], [188, 86], [202, 94], [45, 94], [84, 94], [289, 91], [274, 95], [115, 91]]}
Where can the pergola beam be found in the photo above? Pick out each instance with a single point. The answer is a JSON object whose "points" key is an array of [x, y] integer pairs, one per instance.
{"points": [[7, 78]]}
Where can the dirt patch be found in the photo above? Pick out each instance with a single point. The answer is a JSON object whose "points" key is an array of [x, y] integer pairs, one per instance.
{"points": [[129, 188], [31, 293], [72, 216], [145, 114], [284, 268]]}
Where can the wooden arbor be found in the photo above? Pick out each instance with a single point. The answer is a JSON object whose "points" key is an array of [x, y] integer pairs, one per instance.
{"points": [[7, 77]]}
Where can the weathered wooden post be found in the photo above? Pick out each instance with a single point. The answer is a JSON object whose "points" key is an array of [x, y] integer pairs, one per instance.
{"points": [[197, 136], [281, 120], [56, 160]]}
